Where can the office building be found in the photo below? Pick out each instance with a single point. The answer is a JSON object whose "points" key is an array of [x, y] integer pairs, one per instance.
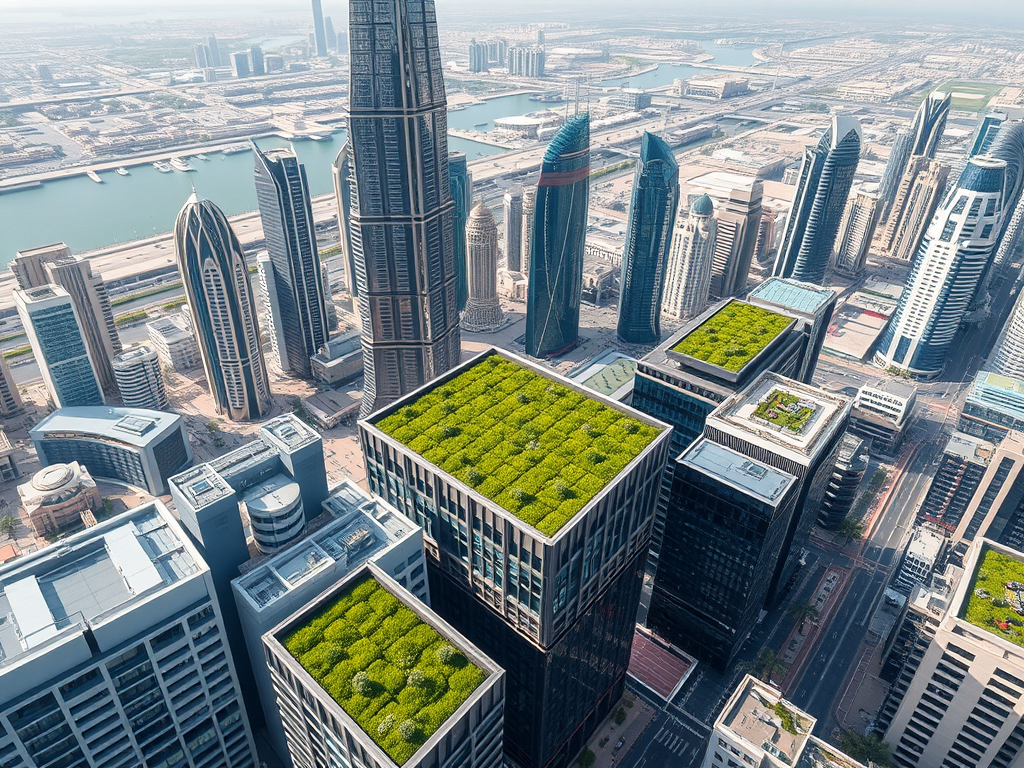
{"points": [[811, 304], [296, 287], [964, 704], [529, 214], [961, 468], [203, 56], [737, 218], [763, 729], [461, 182], [916, 201], [319, 32], [402, 216], [223, 310], [523, 558], [29, 267], [455, 719], [994, 406], [140, 380], [240, 64], [58, 497], [778, 441], [926, 548], [526, 60], [954, 254], [175, 346], [478, 59], [483, 310], [114, 652], [559, 234], [986, 133], [339, 360], [855, 234], [211, 42], [881, 414], [8, 467], [256, 65], [10, 399], [895, 167], [330, 34], [822, 189], [359, 530], [52, 325], [851, 464], [344, 181], [1007, 359], [513, 240], [688, 278], [929, 123], [131, 445], [649, 229]]}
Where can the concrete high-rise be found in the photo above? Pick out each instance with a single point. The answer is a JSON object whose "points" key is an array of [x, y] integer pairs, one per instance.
{"points": [[688, 281], [738, 221], [223, 310], [240, 64], [823, 187], [10, 399], [256, 64], [215, 60], [319, 32], [527, 564], [851, 464], [461, 182], [916, 201], [526, 241], [649, 229], [330, 34], [402, 214], [483, 311], [478, 59], [513, 240], [895, 167], [559, 235], [140, 380], [955, 252], [855, 234], [344, 181], [996, 508], [51, 323], [297, 303]]}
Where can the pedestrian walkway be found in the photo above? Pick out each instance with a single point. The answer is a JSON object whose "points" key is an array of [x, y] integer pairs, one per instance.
{"points": [[611, 741]]}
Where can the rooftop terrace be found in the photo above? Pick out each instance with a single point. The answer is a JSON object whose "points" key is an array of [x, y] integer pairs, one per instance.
{"points": [[758, 714], [527, 442], [393, 673], [996, 594], [733, 336]]}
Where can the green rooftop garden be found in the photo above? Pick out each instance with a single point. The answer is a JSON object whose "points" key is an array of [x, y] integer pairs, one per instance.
{"points": [[733, 336], [392, 673], [990, 602], [532, 445], [784, 410]]}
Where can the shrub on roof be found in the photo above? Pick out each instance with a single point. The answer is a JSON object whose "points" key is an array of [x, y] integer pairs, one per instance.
{"points": [[733, 336]]}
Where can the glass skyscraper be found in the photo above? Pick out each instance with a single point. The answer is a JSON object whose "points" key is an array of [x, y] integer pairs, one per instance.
{"points": [[824, 185], [556, 248], [402, 215], [319, 32], [894, 168], [929, 123], [652, 215], [223, 310], [462, 195]]}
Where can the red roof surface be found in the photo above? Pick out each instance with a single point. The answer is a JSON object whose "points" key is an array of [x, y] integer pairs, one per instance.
{"points": [[8, 552], [657, 664]]}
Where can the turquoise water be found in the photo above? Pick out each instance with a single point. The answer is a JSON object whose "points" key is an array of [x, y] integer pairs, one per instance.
{"points": [[725, 55]]}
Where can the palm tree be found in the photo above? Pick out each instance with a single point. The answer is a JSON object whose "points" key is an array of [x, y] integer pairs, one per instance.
{"points": [[767, 665], [851, 527], [804, 611], [869, 749]]}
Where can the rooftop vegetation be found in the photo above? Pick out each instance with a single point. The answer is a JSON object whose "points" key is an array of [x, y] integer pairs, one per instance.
{"points": [[733, 336], [991, 603], [392, 673], [532, 445], [784, 410]]}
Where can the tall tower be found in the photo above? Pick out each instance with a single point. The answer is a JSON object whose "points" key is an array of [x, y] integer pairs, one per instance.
{"points": [[652, 214], [894, 169], [344, 181], [461, 183], [559, 234], [402, 215], [824, 184], [929, 123], [514, 230], [297, 304], [738, 214], [855, 233], [947, 270], [689, 263], [483, 311], [140, 380], [330, 34], [319, 31], [223, 310], [917, 200], [526, 241]]}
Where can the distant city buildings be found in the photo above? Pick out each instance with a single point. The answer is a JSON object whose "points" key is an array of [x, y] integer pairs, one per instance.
{"points": [[526, 60], [895, 166], [240, 64], [688, 276], [319, 31], [483, 311], [478, 60], [140, 380], [856, 231]]}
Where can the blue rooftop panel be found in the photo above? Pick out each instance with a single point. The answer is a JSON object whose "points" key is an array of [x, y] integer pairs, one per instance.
{"points": [[792, 294]]}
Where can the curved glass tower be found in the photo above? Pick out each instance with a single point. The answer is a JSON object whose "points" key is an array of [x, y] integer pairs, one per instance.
{"points": [[688, 282], [401, 215], [948, 268], [929, 123], [824, 185], [559, 234], [223, 310], [652, 214]]}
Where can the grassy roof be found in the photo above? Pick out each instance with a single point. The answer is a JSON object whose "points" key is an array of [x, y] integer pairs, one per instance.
{"points": [[784, 410], [536, 447], [990, 604], [392, 673], [733, 336]]}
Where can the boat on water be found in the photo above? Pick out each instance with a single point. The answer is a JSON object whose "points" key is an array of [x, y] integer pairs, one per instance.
{"points": [[163, 167], [319, 137], [122, 171], [456, 108], [202, 157], [181, 164], [480, 125], [233, 148], [94, 176]]}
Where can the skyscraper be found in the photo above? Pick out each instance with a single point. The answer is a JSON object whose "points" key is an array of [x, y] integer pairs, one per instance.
{"points": [[987, 131], [478, 58], [298, 305], [689, 263], [51, 323], [343, 185], [461, 182], [483, 311], [855, 233], [851, 464], [10, 399], [652, 215], [223, 310], [240, 64], [821, 192], [319, 33], [256, 65], [513, 242], [140, 380], [559, 234], [202, 55], [895, 167], [812, 304], [952, 259], [526, 241], [215, 60], [996, 509], [1008, 357], [917, 199], [929, 123], [402, 215], [330, 34], [738, 219]]}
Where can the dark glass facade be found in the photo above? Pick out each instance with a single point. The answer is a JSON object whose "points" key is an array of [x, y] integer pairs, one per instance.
{"points": [[559, 236], [462, 196], [287, 216], [63, 349], [652, 215]]}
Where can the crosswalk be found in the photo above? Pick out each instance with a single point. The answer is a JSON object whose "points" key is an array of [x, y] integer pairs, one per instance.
{"points": [[674, 743]]}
